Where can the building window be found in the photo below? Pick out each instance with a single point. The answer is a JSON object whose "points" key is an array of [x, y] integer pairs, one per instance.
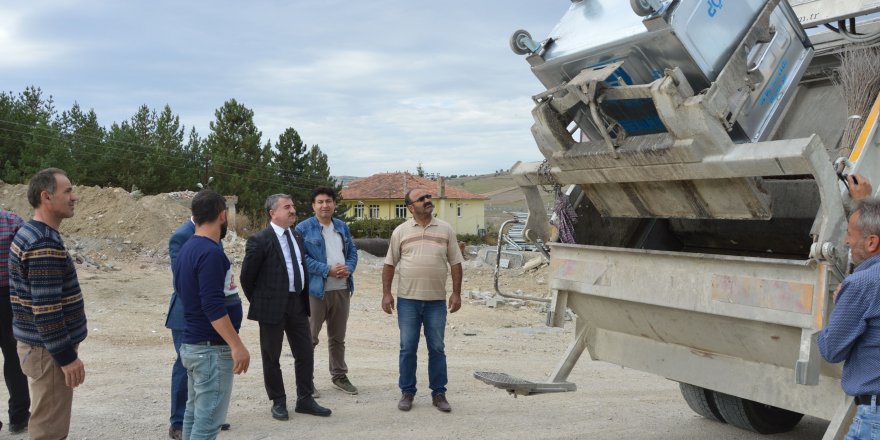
{"points": [[458, 209], [374, 211], [359, 211], [400, 211]]}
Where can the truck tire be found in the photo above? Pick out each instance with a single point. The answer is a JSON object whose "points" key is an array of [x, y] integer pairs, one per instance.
{"points": [[701, 400], [755, 416]]}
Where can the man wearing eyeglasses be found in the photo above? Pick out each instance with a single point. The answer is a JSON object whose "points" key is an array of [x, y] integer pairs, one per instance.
{"points": [[422, 251]]}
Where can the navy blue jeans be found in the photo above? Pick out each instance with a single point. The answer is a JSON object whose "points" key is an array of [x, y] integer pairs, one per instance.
{"points": [[412, 315], [178, 383]]}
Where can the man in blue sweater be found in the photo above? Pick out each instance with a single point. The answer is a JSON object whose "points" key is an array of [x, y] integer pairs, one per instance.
{"points": [[212, 350], [175, 322], [853, 331], [49, 319]]}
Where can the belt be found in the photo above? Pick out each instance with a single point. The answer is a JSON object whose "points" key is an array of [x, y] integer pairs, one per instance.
{"points": [[210, 343], [866, 400]]}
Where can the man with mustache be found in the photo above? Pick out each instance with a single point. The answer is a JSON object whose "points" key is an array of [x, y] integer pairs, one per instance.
{"points": [[852, 335], [420, 251], [49, 319], [277, 286]]}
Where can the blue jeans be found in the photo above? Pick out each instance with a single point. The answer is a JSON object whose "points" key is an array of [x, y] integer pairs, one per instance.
{"points": [[178, 383], [411, 315], [209, 372], [866, 424]]}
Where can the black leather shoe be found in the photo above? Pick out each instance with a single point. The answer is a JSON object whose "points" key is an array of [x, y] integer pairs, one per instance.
{"points": [[225, 427], [279, 409], [21, 427], [307, 405]]}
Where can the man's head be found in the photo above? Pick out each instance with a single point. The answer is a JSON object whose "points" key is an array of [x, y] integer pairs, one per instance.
{"points": [[209, 207], [50, 191], [863, 230], [281, 210], [324, 204], [418, 201]]}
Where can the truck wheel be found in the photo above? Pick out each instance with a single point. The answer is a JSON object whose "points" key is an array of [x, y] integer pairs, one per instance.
{"points": [[641, 8], [520, 41], [754, 416], [701, 400]]}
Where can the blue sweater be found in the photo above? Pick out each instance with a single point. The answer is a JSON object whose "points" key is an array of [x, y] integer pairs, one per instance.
{"points": [[47, 304], [853, 330], [206, 287]]}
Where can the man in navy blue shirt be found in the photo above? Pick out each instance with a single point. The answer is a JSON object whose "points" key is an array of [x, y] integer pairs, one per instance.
{"points": [[212, 350], [853, 331]]}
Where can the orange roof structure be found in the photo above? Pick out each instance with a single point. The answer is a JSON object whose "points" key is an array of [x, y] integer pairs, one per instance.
{"points": [[391, 186]]}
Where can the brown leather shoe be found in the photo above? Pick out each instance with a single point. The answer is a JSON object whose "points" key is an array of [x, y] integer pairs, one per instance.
{"points": [[406, 400], [441, 403]]}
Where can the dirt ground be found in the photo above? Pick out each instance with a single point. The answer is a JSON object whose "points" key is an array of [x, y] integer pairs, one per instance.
{"points": [[128, 355]]}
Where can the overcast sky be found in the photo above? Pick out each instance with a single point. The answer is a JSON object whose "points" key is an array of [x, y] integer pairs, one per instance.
{"points": [[379, 85]]}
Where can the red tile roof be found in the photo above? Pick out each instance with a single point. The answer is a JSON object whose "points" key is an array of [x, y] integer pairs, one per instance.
{"points": [[391, 186]]}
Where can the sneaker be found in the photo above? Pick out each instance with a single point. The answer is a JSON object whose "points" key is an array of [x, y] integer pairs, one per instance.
{"points": [[345, 385], [441, 403], [405, 403]]}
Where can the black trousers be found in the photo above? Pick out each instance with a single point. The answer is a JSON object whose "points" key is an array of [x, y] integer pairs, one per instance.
{"points": [[295, 324], [16, 381]]}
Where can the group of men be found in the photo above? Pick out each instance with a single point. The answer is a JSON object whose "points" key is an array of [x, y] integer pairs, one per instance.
{"points": [[295, 280]]}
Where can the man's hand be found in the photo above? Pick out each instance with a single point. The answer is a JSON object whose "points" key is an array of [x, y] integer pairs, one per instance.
{"points": [[241, 359], [836, 292], [74, 373], [339, 271], [859, 186], [387, 303], [454, 302]]}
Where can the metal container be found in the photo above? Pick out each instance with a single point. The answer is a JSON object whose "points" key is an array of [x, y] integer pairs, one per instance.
{"points": [[694, 36]]}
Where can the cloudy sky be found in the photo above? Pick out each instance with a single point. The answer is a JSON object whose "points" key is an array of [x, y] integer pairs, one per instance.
{"points": [[379, 85]]}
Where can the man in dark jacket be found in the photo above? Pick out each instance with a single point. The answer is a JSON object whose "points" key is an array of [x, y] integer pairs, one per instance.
{"points": [[275, 282]]}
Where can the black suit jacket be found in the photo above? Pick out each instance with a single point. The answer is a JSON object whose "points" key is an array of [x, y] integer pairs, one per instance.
{"points": [[264, 277]]}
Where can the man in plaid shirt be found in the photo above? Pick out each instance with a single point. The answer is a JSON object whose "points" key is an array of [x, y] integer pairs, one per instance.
{"points": [[16, 381]]}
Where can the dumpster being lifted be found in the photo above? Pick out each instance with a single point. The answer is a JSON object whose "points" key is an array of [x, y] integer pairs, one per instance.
{"points": [[698, 143]]}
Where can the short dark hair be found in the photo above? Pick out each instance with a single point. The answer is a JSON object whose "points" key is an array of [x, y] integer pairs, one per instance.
{"points": [[323, 190], [406, 198], [44, 180], [272, 200], [207, 206]]}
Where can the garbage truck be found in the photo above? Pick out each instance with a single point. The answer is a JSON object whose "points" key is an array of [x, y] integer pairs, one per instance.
{"points": [[699, 145]]}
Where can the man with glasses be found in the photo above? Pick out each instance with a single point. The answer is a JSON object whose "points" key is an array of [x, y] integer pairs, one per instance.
{"points": [[422, 251]]}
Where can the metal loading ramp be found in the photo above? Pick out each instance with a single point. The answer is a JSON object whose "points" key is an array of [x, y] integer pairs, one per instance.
{"points": [[522, 387]]}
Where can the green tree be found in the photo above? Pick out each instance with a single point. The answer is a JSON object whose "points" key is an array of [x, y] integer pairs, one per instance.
{"points": [[238, 161]]}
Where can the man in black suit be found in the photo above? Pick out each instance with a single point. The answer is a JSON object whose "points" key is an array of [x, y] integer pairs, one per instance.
{"points": [[277, 287]]}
